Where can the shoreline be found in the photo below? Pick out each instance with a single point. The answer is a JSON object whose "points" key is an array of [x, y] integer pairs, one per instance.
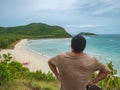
{"points": [[27, 57], [35, 52]]}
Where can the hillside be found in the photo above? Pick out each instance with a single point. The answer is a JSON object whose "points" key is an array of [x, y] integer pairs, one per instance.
{"points": [[36, 30], [9, 36]]}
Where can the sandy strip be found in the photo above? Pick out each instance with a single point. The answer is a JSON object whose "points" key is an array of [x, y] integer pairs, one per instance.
{"points": [[28, 58]]}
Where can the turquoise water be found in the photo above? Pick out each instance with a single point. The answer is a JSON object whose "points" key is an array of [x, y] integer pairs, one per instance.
{"points": [[104, 47]]}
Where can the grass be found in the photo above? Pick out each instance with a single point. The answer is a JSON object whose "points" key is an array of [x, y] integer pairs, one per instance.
{"points": [[16, 85], [42, 85], [22, 84]]}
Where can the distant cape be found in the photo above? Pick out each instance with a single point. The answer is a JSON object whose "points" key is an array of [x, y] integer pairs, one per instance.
{"points": [[87, 33]]}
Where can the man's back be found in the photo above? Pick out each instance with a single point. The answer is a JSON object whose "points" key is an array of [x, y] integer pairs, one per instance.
{"points": [[75, 71], [75, 68]]}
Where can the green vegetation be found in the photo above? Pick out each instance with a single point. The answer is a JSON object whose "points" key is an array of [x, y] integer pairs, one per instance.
{"points": [[43, 85], [8, 41], [87, 33], [13, 75], [8, 35], [112, 82], [25, 84]]}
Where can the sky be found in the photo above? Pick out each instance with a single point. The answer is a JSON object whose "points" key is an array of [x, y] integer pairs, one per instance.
{"points": [[96, 16]]}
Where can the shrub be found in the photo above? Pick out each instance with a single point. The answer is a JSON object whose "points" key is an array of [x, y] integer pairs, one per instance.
{"points": [[112, 82], [17, 70], [39, 75], [5, 74], [10, 70]]}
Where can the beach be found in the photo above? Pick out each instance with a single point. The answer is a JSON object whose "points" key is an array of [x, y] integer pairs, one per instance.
{"points": [[27, 57]]}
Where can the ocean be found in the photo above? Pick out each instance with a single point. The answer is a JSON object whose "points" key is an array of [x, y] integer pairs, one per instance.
{"points": [[105, 47]]}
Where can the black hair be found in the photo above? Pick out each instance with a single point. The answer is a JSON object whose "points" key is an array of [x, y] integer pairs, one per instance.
{"points": [[78, 43]]}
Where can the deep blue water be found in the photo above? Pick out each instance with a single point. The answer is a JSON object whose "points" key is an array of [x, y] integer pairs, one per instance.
{"points": [[104, 47]]}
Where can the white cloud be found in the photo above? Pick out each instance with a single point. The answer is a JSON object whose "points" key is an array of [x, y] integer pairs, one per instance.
{"points": [[110, 9], [95, 7], [90, 7], [53, 4], [77, 13]]}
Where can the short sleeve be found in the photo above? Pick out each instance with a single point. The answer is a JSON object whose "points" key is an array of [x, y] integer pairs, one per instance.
{"points": [[54, 60], [98, 65]]}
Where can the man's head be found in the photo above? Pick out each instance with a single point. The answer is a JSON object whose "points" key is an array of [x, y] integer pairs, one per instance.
{"points": [[78, 43]]}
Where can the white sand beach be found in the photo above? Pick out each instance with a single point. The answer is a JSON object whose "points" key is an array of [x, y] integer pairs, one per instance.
{"points": [[28, 58]]}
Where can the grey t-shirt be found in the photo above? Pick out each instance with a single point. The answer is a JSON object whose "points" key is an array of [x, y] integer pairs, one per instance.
{"points": [[75, 71]]}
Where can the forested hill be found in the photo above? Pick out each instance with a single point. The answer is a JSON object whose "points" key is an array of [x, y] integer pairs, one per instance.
{"points": [[88, 34], [10, 35], [34, 30]]}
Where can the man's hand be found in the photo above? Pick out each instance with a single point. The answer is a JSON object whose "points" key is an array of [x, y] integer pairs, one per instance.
{"points": [[90, 83], [101, 75]]}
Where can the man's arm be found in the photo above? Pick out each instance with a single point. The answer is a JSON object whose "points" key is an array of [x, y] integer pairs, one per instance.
{"points": [[101, 75], [54, 69]]}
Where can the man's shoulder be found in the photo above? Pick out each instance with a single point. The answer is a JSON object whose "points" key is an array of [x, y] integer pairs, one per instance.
{"points": [[63, 54], [60, 54], [90, 56]]}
